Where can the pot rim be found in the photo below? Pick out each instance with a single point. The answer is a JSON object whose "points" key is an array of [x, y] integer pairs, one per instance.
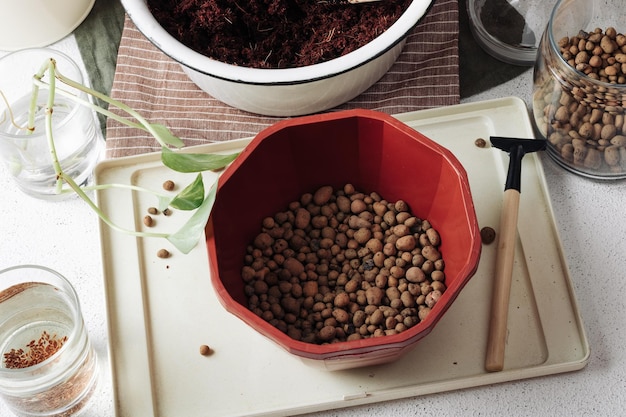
{"points": [[145, 22]]}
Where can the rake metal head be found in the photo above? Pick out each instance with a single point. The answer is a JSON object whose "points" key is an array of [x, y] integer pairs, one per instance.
{"points": [[516, 148], [508, 144]]}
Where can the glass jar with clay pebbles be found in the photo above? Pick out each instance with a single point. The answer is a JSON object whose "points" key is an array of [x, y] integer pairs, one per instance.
{"points": [[579, 93]]}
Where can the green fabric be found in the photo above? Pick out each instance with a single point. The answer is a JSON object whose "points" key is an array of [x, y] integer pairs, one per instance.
{"points": [[98, 39]]}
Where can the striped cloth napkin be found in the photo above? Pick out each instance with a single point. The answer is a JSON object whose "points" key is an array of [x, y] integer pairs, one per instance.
{"points": [[425, 75]]}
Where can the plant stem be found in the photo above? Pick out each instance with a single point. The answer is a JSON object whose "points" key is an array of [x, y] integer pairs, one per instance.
{"points": [[10, 112], [94, 107], [49, 111], [81, 193], [35, 93], [144, 123], [61, 176], [125, 186]]}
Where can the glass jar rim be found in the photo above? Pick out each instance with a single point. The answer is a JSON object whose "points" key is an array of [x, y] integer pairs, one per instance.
{"points": [[554, 46]]}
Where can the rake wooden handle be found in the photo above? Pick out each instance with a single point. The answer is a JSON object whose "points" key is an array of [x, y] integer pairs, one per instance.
{"points": [[505, 255]]}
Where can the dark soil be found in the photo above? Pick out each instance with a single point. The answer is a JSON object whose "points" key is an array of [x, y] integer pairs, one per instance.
{"points": [[275, 33]]}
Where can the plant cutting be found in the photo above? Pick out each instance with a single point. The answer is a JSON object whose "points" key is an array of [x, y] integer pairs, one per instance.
{"points": [[191, 198]]}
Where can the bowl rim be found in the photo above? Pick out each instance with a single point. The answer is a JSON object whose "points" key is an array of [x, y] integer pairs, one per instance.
{"points": [[517, 55], [145, 22], [400, 341]]}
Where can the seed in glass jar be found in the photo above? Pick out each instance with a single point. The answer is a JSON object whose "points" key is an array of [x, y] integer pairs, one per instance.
{"points": [[487, 235], [611, 155], [595, 61], [169, 185], [619, 140], [163, 253], [36, 351], [562, 114], [593, 159]]}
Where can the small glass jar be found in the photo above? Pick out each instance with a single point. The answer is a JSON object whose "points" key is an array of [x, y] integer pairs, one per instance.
{"points": [[509, 30], [48, 366], [26, 153], [579, 93]]}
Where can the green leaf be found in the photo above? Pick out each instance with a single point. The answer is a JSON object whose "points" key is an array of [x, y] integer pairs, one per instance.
{"points": [[164, 136], [195, 162], [189, 235], [191, 197], [164, 202]]}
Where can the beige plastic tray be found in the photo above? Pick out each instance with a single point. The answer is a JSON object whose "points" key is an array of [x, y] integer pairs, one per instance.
{"points": [[161, 310]]}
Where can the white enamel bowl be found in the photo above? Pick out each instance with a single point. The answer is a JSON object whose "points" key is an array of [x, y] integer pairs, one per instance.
{"points": [[284, 92]]}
